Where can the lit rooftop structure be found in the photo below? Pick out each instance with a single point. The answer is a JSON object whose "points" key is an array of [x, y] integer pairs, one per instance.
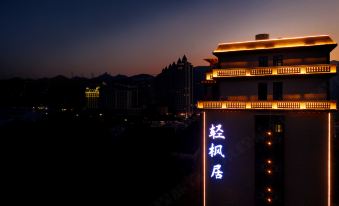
{"points": [[295, 42]]}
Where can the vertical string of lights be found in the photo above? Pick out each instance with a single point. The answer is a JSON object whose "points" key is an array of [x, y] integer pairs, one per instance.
{"points": [[269, 167]]}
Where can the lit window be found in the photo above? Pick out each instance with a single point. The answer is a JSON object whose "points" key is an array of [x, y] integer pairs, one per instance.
{"points": [[278, 128]]}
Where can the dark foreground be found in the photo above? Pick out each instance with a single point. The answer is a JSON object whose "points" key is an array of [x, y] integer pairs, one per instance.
{"points": [[65, 159]]}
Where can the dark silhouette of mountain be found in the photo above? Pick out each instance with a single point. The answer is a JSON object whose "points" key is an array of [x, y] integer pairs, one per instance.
{"points": [[15, 79], [104, 77], [120, 76], [79, 78], [59, 78], [141, 77]]}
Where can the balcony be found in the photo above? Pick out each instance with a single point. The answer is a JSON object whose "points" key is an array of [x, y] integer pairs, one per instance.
{"points": [[268, 105], [272, 71]]}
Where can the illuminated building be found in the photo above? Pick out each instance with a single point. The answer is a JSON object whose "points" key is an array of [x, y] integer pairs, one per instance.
{"points": [[174, 87], [271, 98], [92, 97]]}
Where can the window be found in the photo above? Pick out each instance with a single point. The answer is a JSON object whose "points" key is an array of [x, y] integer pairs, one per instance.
{"points": [[263, 61], [277, 91], [277, 60], [262, 91], [278, 128]]}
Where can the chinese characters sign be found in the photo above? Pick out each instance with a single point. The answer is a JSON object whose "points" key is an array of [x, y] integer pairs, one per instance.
{"points": [[215, 150]]}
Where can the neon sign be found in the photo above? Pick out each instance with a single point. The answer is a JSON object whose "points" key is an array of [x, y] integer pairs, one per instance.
{"points": [[217, 172], [216, 149], [216, 134]]}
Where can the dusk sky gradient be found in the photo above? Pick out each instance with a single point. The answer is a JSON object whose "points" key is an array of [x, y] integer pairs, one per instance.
{"points": [[45, 38]]}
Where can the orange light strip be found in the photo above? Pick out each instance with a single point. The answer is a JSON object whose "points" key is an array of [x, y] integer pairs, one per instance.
{"points": [[329, 162], [265, 44], [262, 48], [204, 158], [270, 105], [272, 71], [287, 38]]}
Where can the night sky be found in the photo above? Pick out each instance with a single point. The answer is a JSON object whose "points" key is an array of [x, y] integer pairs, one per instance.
{"points": [[44, 38]]}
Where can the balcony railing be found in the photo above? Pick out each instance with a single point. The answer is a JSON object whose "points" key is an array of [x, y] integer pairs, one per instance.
{"points": [[233, 72], [268, 105], [277, 70], [261, 71]]}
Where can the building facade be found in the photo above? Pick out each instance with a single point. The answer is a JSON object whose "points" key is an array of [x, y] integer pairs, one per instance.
{"points": [[120, 97], [267, 122], [92, 97], [174, 87]]}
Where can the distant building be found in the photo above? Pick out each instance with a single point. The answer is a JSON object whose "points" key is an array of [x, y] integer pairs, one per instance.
{"points": [[92, 98], [174, 87], [121, 94], [268, 123], [120, 97]]}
